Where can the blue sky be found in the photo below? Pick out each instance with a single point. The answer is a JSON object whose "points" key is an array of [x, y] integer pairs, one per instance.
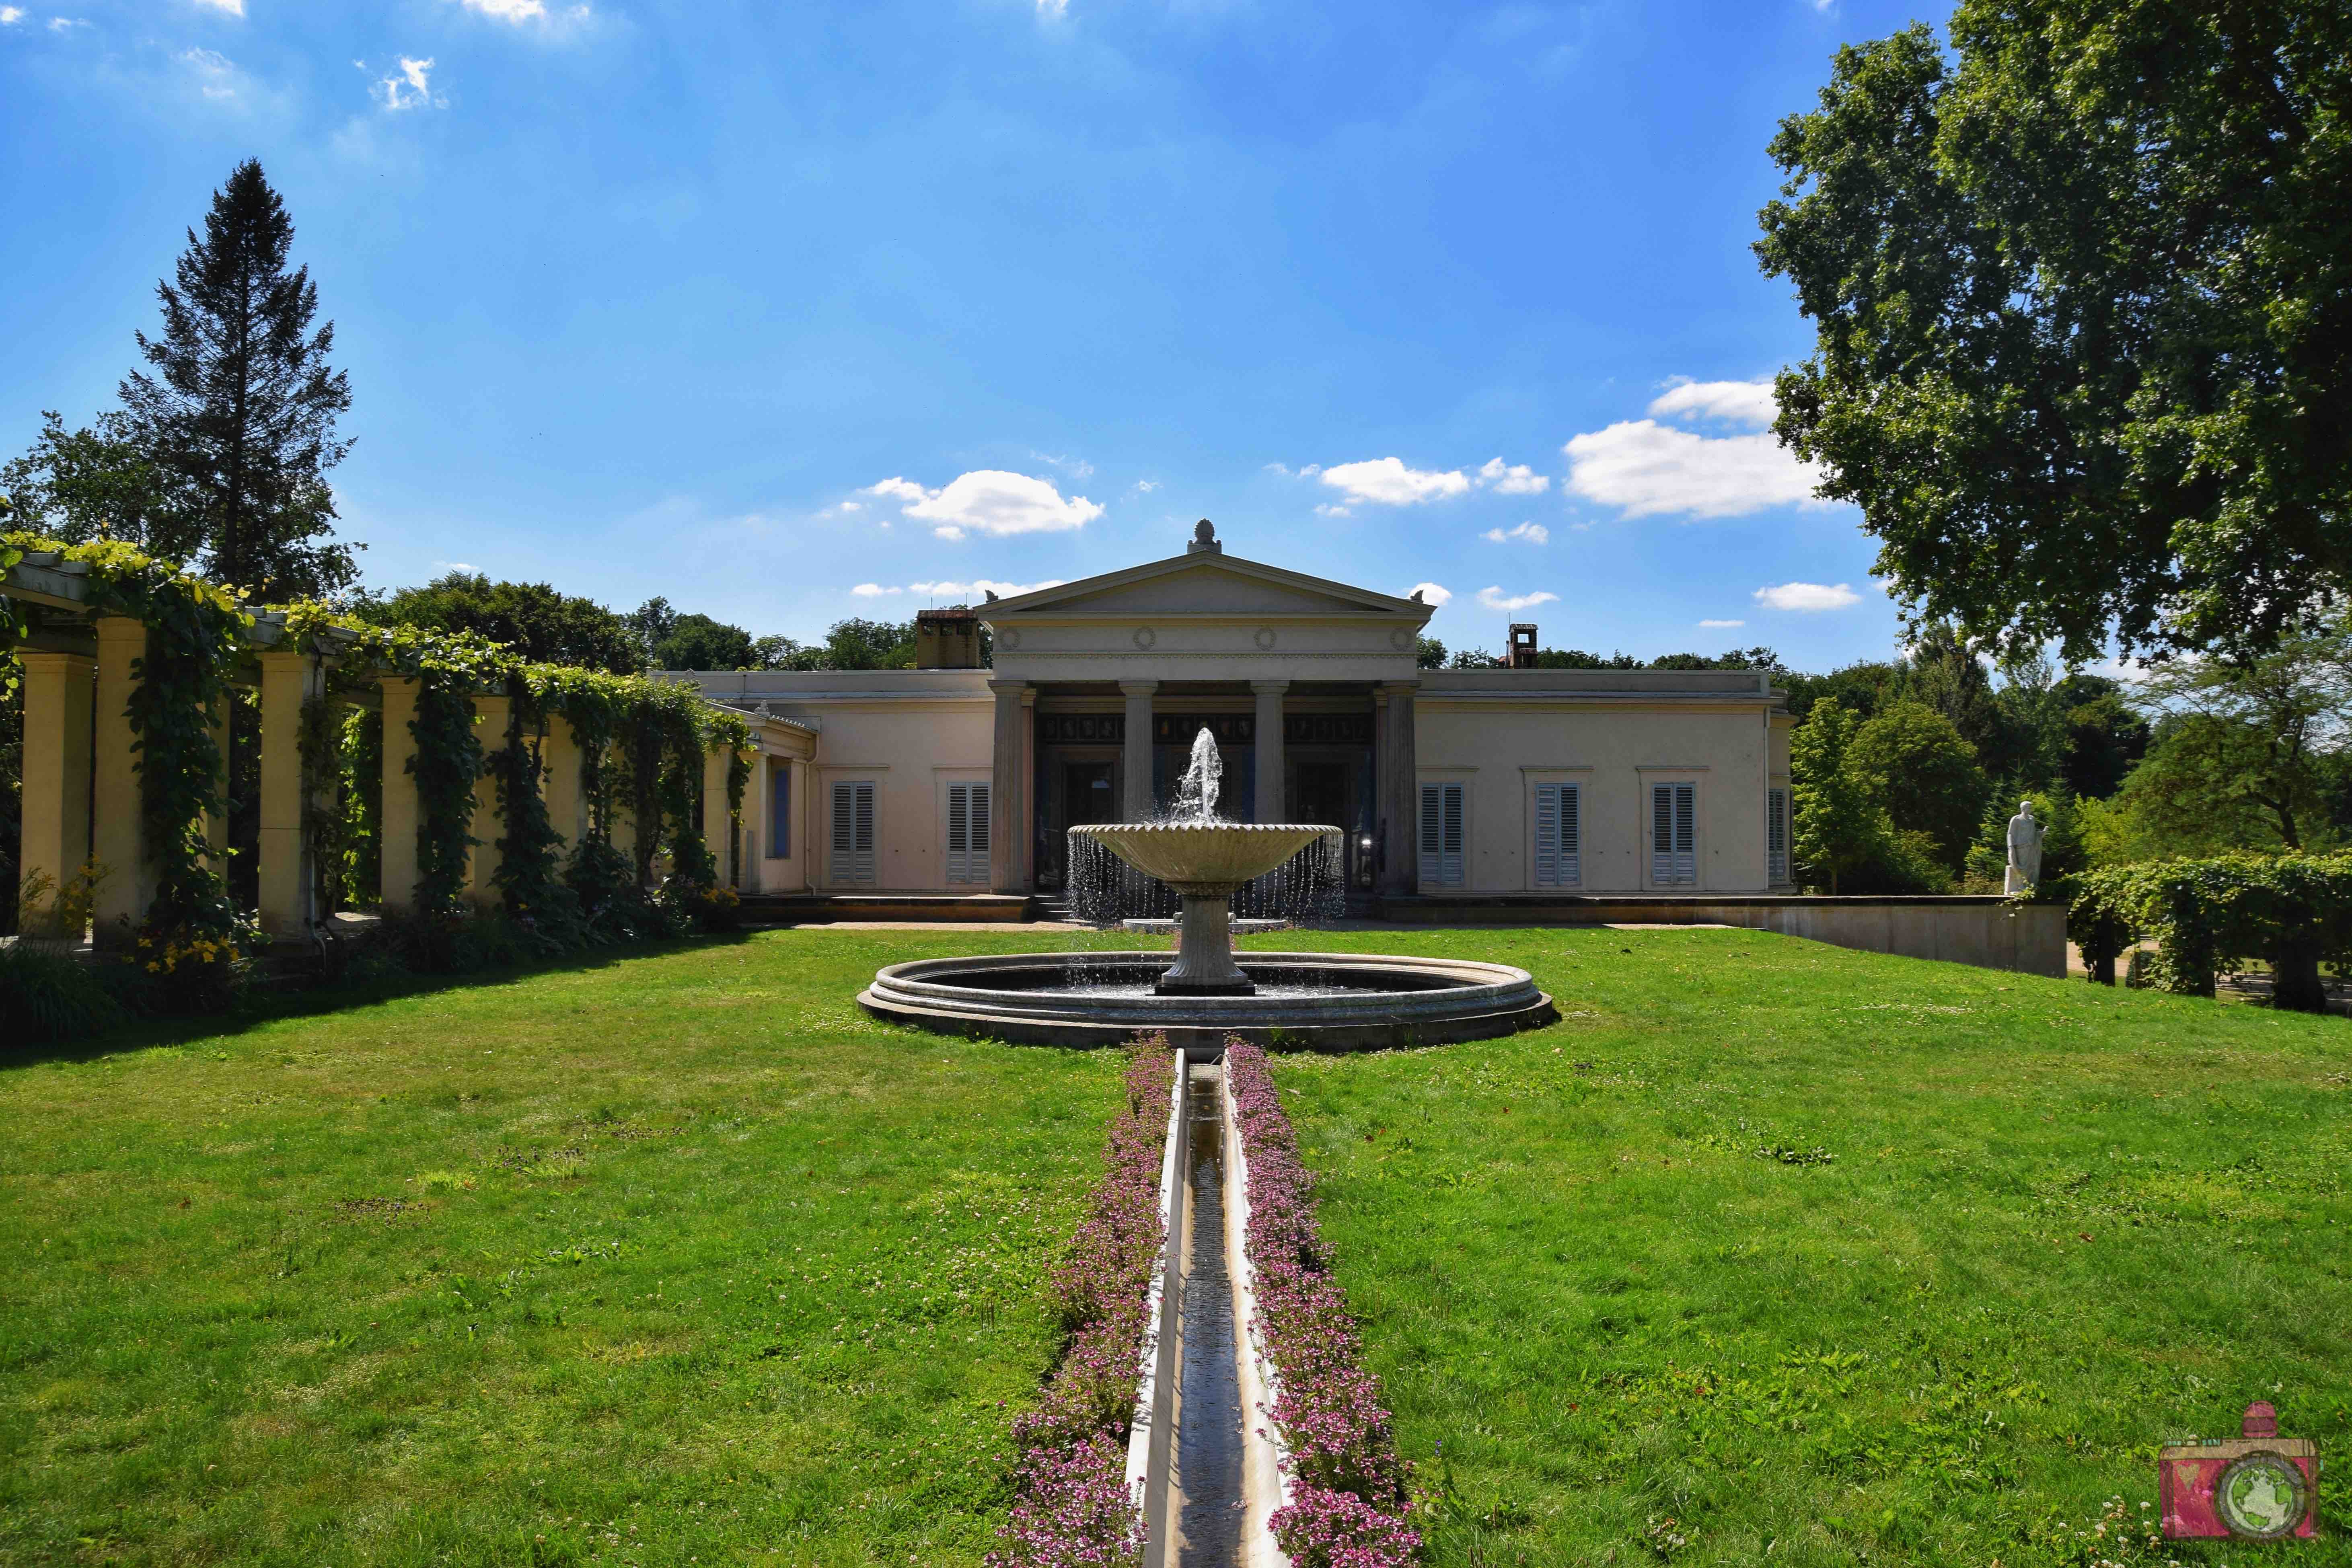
{"points": [[756, 306]]}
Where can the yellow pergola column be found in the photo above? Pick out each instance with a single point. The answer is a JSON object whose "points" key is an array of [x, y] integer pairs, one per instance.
{"points": [[716, 834], [286, 900], [567, 806], [58, 688], [118, 826], [217, 813], [490, 729], [396, 825]]}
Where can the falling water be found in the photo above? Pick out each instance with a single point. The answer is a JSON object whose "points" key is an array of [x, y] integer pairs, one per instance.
{"points": [[1308, 888]]}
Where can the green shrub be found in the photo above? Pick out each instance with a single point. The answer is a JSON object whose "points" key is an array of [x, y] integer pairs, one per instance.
{"points": [[2292, 911], [49, 998]]}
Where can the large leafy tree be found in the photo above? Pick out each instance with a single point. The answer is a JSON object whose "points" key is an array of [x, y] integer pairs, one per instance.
{"points": [[96, 482], [240, 408], [533, 618], [1840, 829], [2083, 298], [1913, 762]]}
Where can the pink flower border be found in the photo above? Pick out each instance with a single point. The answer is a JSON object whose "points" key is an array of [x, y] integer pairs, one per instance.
{"points": [[1072, 1508], [1349, 1487]]}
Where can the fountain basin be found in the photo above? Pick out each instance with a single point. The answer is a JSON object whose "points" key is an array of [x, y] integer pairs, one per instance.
{"points": [[1322, 1001], [1204, 858]]}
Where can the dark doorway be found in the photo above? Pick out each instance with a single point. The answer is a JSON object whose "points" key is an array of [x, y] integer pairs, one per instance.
{"points": [[1323, 794], [1086, 792]]}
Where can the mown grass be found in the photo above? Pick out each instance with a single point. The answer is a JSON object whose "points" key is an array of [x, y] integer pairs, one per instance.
{"points": [[678, 1258], [675, 1259], [1771, 1252]]}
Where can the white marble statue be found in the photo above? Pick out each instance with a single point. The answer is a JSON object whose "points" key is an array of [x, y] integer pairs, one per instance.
{"points": [[2024, 849]]}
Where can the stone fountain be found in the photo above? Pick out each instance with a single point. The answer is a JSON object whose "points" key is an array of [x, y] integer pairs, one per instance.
{"points": [[1327, 1000]]}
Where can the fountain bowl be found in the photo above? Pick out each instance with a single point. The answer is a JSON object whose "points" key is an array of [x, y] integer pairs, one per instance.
{"points": [[1316, 1001], [1204, 858]]}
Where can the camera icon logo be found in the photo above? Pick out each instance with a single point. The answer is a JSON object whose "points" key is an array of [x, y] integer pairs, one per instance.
{"points": [[2257, 1487]]}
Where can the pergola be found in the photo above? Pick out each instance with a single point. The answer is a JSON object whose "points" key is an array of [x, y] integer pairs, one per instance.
{"points": [[82, 800]]}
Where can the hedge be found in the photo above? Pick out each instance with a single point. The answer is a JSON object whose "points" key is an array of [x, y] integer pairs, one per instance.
{"points": [[2292, 911]]}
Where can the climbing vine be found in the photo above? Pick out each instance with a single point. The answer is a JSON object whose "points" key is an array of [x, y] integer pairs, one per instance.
{"points": [[641, 744]]}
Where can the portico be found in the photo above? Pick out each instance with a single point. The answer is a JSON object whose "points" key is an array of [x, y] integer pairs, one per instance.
{"points": [[966, 780]]}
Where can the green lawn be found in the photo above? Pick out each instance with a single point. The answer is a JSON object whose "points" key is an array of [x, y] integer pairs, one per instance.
{"points": [[1838, 1257], [679, 1258]]}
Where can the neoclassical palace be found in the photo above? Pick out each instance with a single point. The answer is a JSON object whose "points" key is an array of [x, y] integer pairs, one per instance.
{"points": [[954, 778]]}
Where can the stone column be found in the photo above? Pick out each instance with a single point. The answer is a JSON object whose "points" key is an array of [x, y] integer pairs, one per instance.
{"points": [[1024, 802], [118, 828], [285, 896], [1402, 873], [482, 864], [559, 780], [1138, 803], [1004, 788], [56, 810], [1270, 805], [716, 834], [396, 829]]}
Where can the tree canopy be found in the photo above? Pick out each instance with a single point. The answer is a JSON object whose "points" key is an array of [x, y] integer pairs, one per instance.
{"points": [[2083, 305], [240, 411], [532, 618]]}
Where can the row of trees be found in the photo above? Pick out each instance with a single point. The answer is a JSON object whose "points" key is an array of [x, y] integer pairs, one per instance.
{"points": [[552, 627], [1905, 772]]}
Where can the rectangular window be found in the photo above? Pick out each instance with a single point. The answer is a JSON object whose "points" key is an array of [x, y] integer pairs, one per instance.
{"points": [[853, 834], [1776, 835], [967, 833], [1558, 836], [1674, 832], [780, 810], [1441, 836]]}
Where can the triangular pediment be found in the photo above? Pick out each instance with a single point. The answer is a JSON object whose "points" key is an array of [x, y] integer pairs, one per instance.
{"points": [[1204, 583]]}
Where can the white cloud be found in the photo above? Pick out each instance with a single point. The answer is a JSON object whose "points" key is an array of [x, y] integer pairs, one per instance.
{"points": [[1645, 468], [409, 89], [991, 501], [1517, 480], [215, 74], [1533, 532], [66, 24], [1722, 626], [1077, 468], [1432, 592], [1387, 482], [963, 593], [517, 11], [1325, 509], [1287, 472], [851, 506], [1053, 10], [1509, 604], [232, 7], [898, 490], [1806, 597], [1146, 486], [1734, 402], [11, 14]]}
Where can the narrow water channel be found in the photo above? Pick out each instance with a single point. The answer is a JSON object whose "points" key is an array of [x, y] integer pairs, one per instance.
{"points": [[1209, 1413]]}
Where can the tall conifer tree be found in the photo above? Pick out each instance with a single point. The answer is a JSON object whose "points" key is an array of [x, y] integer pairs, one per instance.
{"points": [[242, 401]]}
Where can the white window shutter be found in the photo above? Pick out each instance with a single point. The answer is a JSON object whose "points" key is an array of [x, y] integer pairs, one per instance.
{"points": [[1776, 835], [852, 833], [1441, 836], [967, 833], [1557, 837], [1674, 834]]}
